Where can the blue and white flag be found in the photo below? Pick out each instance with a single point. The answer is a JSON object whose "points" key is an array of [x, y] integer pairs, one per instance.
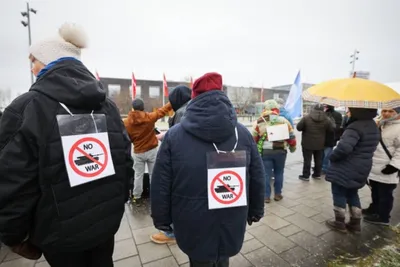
{"points": [[294, 102]]}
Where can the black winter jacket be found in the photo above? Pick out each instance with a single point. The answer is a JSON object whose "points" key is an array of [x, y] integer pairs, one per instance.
{"points": [[36, 199], [351, 160], [179, 98], [179, 180], [314, 127], [332, 137]]}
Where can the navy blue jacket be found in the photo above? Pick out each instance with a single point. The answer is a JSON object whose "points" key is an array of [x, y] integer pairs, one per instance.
{"points": [[351, 160], [179, 180]]}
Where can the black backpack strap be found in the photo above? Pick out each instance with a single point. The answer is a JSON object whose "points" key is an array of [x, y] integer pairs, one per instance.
{"points": [[383, 145]]}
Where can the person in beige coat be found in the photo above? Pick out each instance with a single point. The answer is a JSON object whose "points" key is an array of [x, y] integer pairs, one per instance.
{"points": [[384, 175]]}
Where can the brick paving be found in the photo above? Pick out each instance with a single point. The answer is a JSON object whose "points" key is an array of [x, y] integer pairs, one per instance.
{"points": [[292, 233]]}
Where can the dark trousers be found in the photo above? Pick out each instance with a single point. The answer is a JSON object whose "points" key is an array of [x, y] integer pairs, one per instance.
{"points": [[220, 263], [307, 157], [382, 199], [342, 196], [100, 256]]}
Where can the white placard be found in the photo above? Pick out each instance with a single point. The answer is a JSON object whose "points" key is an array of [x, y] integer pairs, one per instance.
{"points": [[226, 188], [278, 132], [87, 157]]}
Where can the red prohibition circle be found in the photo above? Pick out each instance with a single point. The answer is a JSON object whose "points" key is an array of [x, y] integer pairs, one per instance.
{"points": [[71, 157], [226, 202]]}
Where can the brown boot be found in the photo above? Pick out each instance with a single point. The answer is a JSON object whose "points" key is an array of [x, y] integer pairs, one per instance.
{"points": [[339, 223], [355, 220]]}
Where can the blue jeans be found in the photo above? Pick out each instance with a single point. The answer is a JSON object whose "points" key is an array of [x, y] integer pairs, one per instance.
{"points": [[274, 162], [342, 196], [325, 162]]}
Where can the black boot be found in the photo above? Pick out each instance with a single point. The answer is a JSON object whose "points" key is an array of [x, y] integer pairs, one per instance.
{"points": [[355, 220], [338, 224], [369, 211]]}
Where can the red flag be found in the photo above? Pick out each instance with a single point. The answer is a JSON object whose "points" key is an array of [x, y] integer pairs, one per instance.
{"points": [[133, 86], [262, 93], [97, 76], [191, 82], [165, 86]]}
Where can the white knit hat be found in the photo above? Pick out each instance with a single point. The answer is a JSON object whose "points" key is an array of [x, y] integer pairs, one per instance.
{"points": [[68, 43]]}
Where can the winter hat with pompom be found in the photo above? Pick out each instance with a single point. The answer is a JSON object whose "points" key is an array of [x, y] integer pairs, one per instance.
{"points": [[69, 42]]}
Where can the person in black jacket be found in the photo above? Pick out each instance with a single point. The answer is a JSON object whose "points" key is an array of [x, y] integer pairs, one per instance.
{"points": [[351, 163], [40, 210], [314, 127], [331, 137], [183, 190], [179, 98]]}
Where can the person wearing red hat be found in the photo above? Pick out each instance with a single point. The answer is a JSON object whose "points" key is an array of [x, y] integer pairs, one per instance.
{"points": [[208, 147]]}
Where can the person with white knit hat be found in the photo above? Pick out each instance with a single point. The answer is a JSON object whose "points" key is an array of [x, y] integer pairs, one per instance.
{"points": [[384, 175], [43, 210], [67, 44]]}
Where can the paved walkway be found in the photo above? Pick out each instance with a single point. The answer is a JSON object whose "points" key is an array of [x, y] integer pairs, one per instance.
{"points": [[291, 234]]}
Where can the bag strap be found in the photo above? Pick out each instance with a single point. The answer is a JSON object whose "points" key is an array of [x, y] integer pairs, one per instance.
{"points": [[384, 146]]}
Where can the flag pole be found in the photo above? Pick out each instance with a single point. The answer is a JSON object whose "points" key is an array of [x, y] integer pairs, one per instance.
{"points": [[163, 91]]}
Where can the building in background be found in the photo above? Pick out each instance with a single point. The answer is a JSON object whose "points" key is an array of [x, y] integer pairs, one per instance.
{"points": [[120, 91], [247, 100], [361, 74], [286, 88]]}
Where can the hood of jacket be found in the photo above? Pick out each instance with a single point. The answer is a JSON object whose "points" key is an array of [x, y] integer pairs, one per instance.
{"points": [[363, 113], [317, 115], [179, 96], [71, 83], [210, 117]]}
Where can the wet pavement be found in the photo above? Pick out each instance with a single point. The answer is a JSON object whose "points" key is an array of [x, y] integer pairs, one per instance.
{"points": [[292, 233]]}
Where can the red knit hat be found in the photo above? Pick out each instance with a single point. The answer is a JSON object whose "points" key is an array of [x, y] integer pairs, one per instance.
{"points": [[208, 82]]}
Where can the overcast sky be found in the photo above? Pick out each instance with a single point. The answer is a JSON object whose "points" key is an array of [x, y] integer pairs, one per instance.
{"points": [[250, 42]]}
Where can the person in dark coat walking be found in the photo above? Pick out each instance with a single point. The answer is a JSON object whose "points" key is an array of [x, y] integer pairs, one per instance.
{"points": [[351, 163], [331, 137], [180, 191], [179, 98], [314, 127], [40, 211]]}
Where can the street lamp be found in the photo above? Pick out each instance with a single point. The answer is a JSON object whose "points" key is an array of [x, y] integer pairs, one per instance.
{"points": [[354, 58], [27, 23]]}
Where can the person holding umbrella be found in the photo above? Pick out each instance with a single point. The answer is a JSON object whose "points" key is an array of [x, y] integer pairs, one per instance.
{"points": [[351, 161]]}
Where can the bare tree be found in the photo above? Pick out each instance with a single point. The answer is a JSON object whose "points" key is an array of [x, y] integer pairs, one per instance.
{"points": [[187, 78], [123, 101], [5, 98], [242, 98]]}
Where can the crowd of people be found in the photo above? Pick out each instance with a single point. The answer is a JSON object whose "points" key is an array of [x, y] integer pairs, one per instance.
{"points": [[209, 177]]}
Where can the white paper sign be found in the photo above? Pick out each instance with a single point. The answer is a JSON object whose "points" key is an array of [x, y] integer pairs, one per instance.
{"points": [[226, 188], [278, 132], [87, 157]]}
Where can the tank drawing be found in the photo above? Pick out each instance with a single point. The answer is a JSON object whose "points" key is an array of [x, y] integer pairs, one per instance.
{"points": [[223, 189], [83, 160]]}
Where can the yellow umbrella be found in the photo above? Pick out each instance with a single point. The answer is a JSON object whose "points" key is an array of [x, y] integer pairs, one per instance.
{"points": [[353, 93]]}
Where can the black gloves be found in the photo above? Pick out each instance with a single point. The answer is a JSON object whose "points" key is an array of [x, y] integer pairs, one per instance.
{"points": [[389, 169], [252, 219]]}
